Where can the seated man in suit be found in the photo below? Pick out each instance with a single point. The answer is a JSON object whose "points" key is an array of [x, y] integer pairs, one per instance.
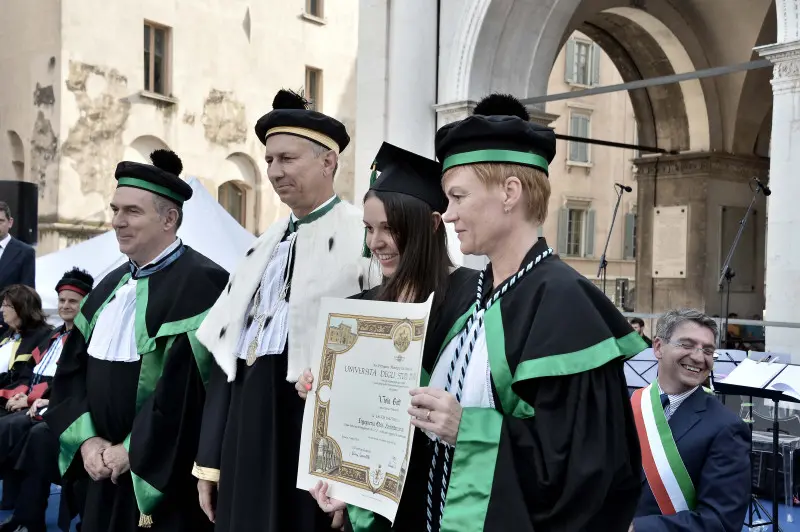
{"points": [[695, 452], [17, 259]]}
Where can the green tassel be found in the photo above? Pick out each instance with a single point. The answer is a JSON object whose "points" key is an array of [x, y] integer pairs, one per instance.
{"points": [[372, 177]]}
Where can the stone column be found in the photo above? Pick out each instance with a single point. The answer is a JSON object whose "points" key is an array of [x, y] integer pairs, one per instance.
{"points": [[783, 242], [395, 80]]}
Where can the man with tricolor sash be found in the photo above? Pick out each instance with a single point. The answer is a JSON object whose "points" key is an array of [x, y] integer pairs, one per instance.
{"points": [[695, 452]]}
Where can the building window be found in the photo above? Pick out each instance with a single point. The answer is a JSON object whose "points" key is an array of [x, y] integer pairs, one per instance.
{"points": [[314, 8], [583, 63], [313, 92], [232, 197], [576, 231], [579, 126], [156, 60]]}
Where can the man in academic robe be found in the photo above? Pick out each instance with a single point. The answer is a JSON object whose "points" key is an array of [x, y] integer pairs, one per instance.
{"points": [[128, 394], [695, 452], [28, 449], [260, 331]]}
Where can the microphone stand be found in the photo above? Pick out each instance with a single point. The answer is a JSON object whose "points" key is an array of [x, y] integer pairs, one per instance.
{"points": [[603, 261], [726, 274]]}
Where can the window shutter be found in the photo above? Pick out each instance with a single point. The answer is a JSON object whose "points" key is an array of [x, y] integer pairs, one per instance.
{"points": [[589, 236], [596, 51], [574, 130], [569, 68], [630, 220], [563, 223]]}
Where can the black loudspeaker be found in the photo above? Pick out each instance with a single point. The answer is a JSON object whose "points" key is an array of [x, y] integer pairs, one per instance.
{"points": [[22, 198]]}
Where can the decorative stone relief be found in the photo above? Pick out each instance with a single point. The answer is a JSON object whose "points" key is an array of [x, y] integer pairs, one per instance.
{"points": [[786, 58]]}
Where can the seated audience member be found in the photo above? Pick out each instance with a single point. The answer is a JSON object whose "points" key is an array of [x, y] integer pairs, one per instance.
{"points": [[708, 487], [28, 449], [27, 330]]}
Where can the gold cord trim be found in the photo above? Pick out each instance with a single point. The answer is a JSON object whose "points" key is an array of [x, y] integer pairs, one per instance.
{"points": [[316, 136], [145, 521]]}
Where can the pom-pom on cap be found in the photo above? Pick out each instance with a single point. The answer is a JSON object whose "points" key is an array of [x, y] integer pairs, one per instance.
{"points": [[77, 280], [160, 178], [290, 116], [499, 131]]}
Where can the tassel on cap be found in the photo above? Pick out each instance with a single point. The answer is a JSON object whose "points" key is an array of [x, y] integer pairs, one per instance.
{"points": [[145, 521], [372, 177]]}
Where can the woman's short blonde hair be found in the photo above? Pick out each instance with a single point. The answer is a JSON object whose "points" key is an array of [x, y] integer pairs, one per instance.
{"points": [[535, 185]]}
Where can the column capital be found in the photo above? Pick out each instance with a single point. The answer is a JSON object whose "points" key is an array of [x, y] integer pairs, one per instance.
{"points": [[447, 113], [786, 58]]}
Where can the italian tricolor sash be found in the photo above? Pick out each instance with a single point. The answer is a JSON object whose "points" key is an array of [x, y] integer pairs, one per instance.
{"points": [[662, 464]]}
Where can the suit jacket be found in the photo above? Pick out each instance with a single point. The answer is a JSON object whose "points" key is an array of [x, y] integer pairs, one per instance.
{"points": [[715, 447], [18, 264]]}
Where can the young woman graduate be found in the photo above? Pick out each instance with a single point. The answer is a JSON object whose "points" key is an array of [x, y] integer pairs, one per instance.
{"points": [[527, 402], [405, 233]]}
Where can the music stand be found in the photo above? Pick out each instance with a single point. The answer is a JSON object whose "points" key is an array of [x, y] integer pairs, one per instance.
{"points": [[641, 369], [775, 396]]}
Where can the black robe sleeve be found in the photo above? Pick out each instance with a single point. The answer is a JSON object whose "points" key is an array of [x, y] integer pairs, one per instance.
{"points": [[559, 452], [166, 429], [215, 418], [68, 413]]}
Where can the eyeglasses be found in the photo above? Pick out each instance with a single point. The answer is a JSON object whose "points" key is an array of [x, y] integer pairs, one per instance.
{"points": [[707, 351]]}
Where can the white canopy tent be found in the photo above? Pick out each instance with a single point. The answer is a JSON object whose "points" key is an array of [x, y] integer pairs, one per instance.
{"points": [[207, 227]]}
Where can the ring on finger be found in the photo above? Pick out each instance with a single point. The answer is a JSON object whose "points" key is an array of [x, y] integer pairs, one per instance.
{"points": [[428, 416]]}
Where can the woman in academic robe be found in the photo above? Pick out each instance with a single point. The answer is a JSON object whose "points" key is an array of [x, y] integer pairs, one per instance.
{"points": [[533, 430], [27, 331], [406, 236]]}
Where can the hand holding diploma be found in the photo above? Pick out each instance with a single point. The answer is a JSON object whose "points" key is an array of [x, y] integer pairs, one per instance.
{"points": [[303, 384], [357, 432], [436, 411]]}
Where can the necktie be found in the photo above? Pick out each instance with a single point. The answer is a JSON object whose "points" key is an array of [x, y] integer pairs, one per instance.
{"points": [[665, 403]]}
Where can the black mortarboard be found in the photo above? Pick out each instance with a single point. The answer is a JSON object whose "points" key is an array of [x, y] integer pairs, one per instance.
{"points": [[76, 280], [160, 178], [290, 115], [407, 173], [499, 131]]}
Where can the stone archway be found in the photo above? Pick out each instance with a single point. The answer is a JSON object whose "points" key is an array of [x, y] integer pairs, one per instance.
{"points": [[241, 169], [140, 149]]}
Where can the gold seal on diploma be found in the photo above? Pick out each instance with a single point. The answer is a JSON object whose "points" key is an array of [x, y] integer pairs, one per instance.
{"points": [[401, 337]]}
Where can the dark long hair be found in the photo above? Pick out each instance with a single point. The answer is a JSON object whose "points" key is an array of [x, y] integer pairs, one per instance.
{"points": [[27, 304], [424, 265]]}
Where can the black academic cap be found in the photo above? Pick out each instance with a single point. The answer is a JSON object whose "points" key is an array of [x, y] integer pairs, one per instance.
{"points": [[407, 173], [76, 280], [290, 116], [499, 131], [160, 178]]}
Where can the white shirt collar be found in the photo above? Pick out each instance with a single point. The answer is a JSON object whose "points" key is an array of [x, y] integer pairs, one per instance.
{"points": [[169, 249], [294, 218], [5, 241]]}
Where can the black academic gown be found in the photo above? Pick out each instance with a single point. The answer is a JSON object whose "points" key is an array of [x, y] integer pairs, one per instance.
{"points": [[152, 406], [559, 452], [261, 418], [17, 379]]}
